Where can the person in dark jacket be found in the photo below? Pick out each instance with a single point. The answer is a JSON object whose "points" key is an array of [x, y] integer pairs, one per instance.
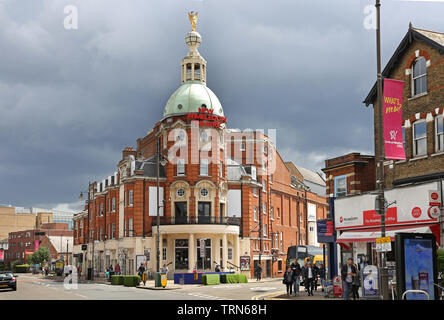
{"points": [[258, 272], [296, 269], [309, 276], [321, 273], [288, 280], [348, 272], [356, 284]]}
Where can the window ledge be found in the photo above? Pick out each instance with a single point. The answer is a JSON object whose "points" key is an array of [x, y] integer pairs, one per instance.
{"points": [[419, 158], [204, 176], [400, 161], [418, 96], [180, 176], [440, 153]]}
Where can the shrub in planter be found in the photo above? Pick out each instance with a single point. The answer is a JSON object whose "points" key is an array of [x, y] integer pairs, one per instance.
{"points": [[243, 278], [233, 278], [21, 268], [117, 280], [131, 281], [210, 279]]}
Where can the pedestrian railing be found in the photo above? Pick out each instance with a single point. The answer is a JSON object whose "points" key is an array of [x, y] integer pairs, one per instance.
{"points": [[415, 291]]}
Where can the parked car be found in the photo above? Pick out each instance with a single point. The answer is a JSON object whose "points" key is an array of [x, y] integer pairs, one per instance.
{"points": [[8, 280]]}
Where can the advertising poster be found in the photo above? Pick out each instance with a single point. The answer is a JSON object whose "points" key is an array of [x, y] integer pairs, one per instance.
{"points": [[2, 255], [392, 116], [418, 255], [245, 263], [36, 245], [370, 278], [139, 260]]}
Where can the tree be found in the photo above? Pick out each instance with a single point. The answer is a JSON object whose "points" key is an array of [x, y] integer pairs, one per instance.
{"points": [[440, 260], [40, 256]]}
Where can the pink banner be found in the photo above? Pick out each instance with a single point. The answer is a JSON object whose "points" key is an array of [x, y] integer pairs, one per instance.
{"points": [[392, 102], [36, 245]]}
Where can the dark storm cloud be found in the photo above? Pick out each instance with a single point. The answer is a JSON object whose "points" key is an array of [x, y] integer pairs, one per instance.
{"points": [[71, 100]]}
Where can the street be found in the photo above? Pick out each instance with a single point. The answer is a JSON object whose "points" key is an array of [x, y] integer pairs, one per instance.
{"points": [[35, 287]]}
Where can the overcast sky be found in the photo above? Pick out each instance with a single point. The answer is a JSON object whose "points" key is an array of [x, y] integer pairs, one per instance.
{"points": [[71, 100]]}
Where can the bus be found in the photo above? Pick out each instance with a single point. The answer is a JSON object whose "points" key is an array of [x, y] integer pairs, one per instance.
{"points": [[302, 253]]}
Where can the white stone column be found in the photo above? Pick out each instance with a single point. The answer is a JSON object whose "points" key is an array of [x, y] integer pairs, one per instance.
{"points": [[191, 252], [225, 251], [216, 246], [192, 71], [160, 251], [236, 253]]}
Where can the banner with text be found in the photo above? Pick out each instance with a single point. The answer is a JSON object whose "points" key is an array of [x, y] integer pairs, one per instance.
{"points": [[392, 103]]}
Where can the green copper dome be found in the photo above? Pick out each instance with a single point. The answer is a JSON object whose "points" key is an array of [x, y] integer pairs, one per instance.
{"points": [[189, 97]]}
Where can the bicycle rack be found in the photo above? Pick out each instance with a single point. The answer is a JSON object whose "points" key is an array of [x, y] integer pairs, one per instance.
{"points": [[415, 291]]}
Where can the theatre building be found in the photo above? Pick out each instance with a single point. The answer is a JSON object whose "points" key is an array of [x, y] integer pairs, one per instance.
{"points": [[225, 196], [414, 185]]}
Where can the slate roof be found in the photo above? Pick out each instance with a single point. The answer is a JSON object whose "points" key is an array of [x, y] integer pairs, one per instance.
{"points": [[432, 38]]}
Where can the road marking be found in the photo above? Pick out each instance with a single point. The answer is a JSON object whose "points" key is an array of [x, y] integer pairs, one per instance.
{"points": [[79, 295], [206, 296], [262, 296], [229, 286], [262, 289]]}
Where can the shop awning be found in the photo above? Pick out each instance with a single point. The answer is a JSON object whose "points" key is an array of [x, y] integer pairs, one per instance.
{"points": [[369, 235]]}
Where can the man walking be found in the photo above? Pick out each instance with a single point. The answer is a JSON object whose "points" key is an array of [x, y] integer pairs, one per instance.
{"points": [[309, 277], [348, 272], [296, 269]]}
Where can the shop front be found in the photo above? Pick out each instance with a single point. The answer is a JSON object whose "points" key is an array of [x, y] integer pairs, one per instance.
{"points": [[357, 224]]}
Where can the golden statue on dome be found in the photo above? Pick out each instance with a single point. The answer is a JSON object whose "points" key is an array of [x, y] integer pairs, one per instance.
{"points": [[193, 19]]}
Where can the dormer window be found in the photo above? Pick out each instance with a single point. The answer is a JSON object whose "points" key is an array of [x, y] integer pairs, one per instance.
{"points": [[419, 77]]}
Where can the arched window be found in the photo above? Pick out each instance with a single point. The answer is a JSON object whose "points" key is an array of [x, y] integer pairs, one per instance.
{"points": [[419, 79]]}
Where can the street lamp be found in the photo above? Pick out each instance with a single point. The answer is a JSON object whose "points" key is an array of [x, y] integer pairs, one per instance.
{"points": [[81, 197], [163, 163], [380, 155]]}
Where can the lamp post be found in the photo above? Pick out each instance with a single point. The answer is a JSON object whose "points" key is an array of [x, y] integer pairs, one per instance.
{"points": [[158, 163], [89, 210], [380, 155]]}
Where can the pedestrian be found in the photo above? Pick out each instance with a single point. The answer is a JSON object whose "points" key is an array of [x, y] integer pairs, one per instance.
{"points": [[302, 274], [164, 269], [316, 272], [296, 270], [258, 272], [288, 280], [117, 268], [348, 272], [356, 284], [321, 272], [141, 273], [309, 277], [217, 269]]}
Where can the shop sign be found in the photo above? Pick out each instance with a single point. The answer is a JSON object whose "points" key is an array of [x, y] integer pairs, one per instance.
{"points": [[434, 198], [434, 212], [412, 204], [370, 278]]}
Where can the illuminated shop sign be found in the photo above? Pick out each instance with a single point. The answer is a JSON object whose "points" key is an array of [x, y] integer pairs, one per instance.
{"points": [[206, 118]]}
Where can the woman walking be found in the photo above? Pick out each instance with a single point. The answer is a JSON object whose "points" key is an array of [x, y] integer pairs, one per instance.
{"points": [[288, 280]]}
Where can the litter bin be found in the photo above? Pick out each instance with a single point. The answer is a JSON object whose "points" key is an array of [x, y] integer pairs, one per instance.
{"points": [[157, 279], [89, 274]]}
